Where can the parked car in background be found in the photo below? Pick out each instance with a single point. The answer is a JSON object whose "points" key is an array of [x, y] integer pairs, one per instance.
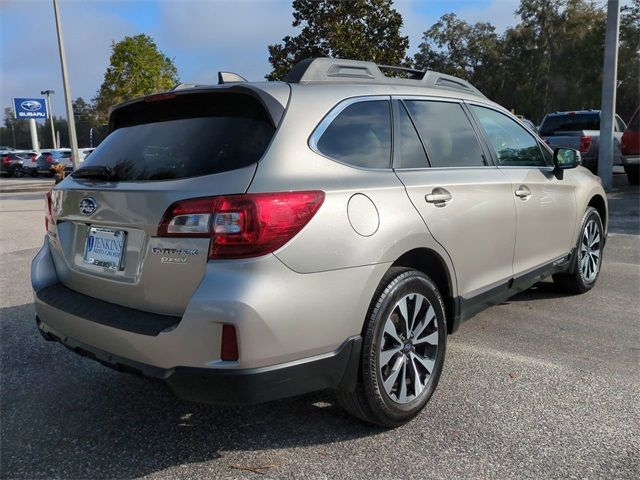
{"points": [[252, 243], [52, 158], [630, 147], [29, 162], [11, 164], [580, 130]]}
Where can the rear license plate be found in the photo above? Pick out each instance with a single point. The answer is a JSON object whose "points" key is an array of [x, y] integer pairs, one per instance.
{"points": [[104, 248]]}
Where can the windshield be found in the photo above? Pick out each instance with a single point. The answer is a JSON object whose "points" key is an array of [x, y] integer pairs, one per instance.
{"points": [[570, 122], [186, 136]]}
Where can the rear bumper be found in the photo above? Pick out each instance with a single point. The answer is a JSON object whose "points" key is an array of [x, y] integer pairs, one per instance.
{"points": [[296, 332], [337, 370], [631, 160]]}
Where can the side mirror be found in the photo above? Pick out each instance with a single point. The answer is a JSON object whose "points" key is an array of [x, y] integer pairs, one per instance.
{"points": [[565, 158]]}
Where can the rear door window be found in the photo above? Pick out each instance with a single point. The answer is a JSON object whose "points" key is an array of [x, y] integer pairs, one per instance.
{"points": [[188, 135], [412, 154], [360, 135], [447, 134]]}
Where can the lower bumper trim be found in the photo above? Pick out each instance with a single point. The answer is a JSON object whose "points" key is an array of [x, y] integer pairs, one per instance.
{"points": [[337, 370]]}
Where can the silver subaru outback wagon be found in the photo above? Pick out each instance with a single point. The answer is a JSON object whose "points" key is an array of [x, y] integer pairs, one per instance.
{"points": [[247, 242]]}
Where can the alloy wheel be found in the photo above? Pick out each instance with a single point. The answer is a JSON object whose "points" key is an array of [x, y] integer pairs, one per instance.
{"points": [[590, 251], [408, 347]]}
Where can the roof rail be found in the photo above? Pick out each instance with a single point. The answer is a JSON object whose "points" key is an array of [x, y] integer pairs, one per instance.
{"points": [[336, 70]]}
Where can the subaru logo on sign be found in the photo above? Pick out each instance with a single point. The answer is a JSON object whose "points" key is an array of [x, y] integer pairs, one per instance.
{"points": [[31, 105], [30, 108], [88, 205]]}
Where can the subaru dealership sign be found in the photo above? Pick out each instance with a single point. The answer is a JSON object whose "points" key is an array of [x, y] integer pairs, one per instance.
{"points": [[27, 108]]}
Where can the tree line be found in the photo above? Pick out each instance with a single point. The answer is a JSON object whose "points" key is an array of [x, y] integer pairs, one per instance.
{"points": [[550, 60]]}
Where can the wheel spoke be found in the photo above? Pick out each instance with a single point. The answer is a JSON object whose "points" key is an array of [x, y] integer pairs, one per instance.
{"points": [[428, 318], [390, 329], [387, 355], [402, 395], [595, 240], [402, 306], [393, 375], [431, 339], [418, 386], [583, 263], [425, 362], [416, 310]]}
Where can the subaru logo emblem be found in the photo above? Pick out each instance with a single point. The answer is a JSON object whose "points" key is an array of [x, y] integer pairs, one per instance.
{"points": [[88, 205], [31, 105]]}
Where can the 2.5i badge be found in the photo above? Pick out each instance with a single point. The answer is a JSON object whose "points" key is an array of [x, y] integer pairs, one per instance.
{"points": [[179, 256]]}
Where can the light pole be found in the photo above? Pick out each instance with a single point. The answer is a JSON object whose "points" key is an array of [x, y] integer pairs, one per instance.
{"points": [[50, 110], [608, 107], [67, 90]]}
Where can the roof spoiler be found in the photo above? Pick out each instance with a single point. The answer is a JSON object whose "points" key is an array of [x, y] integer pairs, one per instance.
{"points": [[230, 77]]}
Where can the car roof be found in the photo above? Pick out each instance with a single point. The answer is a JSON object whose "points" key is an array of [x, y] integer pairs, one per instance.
{"points": [[338, 78]]}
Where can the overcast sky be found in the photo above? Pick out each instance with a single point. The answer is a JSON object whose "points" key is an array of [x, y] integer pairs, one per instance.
{"points": [[201, 36]]}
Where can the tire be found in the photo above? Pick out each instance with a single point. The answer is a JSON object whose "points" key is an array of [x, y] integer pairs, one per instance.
{"points": [[633, 174], [401, 398], [583, 276]]}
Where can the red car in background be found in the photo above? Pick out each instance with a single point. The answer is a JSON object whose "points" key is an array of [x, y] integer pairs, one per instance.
{"points": [[630, 146]]}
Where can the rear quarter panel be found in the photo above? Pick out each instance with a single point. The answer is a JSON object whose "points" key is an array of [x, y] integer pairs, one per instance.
{"points": [[329, 241]]}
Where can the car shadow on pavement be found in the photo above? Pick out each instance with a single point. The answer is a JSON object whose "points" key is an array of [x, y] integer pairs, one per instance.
{"points": [[64, 416], [540, 291]]}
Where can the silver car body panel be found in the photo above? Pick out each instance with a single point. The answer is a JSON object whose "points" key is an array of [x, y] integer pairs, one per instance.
{"points": [[314, 292]]}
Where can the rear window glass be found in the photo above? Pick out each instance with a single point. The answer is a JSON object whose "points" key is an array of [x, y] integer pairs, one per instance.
{"points": [[570, 123], [360, 135], [187, 136]]}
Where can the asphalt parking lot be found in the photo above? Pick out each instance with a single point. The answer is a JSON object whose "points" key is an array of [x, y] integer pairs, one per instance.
{"points": [[542, 386]]}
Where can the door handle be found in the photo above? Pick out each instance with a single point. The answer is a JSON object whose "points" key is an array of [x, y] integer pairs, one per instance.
{"points": [[523, 192], [438, 196]]}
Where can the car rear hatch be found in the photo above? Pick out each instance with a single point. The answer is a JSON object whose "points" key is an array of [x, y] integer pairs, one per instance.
{"points": [[162, 149]]}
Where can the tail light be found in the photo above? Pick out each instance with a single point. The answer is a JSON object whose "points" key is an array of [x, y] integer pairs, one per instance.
{"points": [[6, 160], [242, 226], [585, 143], [34, 158], [49, 159], [48, 211]]}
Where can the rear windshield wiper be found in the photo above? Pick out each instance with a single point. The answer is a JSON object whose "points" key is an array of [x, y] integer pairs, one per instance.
{"points": [[98, 171]]}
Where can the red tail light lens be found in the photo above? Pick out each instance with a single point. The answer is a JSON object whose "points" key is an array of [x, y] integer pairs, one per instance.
{"points": [[242, 226], [49, 158], [34, 157], [585, 143], [6, 160], [48, 211]]}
